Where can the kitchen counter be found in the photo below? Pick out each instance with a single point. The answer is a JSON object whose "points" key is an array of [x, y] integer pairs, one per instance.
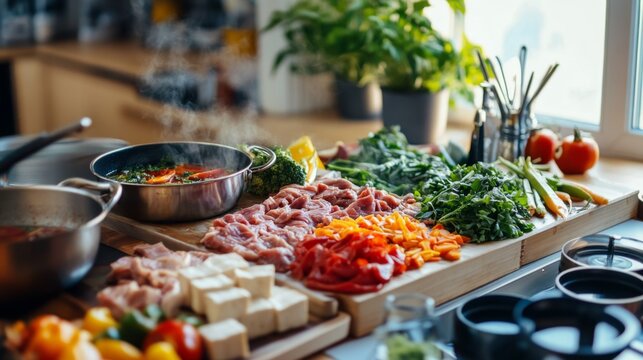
{"points": [[128, 62]]}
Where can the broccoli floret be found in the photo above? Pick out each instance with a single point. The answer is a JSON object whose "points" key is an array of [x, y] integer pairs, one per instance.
{"points": [[285, 171]]}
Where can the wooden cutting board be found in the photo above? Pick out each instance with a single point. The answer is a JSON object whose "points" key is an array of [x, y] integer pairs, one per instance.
{"points": [[319, 334], [443, 281], [320, 305], [551, 234]]}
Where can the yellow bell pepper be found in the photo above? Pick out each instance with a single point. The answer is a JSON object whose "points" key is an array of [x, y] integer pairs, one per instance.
{"points": [[97, 320], [161, 351], [118, 350]]}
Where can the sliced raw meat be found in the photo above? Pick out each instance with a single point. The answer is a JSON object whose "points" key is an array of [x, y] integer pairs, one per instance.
{"points": [[268, 232], [149, 278]]}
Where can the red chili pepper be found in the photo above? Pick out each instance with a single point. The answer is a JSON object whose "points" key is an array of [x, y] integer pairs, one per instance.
{"points": [[161, 176], [214, 173], [357, 263], [183, 168]]}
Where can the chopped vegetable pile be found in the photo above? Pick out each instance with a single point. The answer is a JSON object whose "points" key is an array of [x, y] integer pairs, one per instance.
{"points": [[420, 245], [361, 255], [285, 171], [358, 263]]}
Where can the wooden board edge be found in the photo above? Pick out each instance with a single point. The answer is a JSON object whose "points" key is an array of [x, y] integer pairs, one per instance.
{"points": [[145, 233], [306, 342], [368, 312], [321, 305], [550, 240]]}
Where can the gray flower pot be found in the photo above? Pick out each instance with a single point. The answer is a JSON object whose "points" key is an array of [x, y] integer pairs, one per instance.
{"points": [[358, 102], [421, 115]]}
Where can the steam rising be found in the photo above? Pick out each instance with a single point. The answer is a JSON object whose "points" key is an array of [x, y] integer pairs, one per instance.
{"points": [[216, 124]]}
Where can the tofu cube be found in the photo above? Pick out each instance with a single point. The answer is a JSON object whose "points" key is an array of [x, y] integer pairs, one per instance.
{"points": [[200, 287], [227, 339], [260, 318], [258, 280], [291, 308], [226, 304], [227, 263], [186, 275]]}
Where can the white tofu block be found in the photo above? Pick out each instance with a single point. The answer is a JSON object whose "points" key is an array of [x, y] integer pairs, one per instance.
{"points": [[172, 300], [226, 304], [200, 287], [258, 280], [291, 308], [259, 320], [186, 275], [225, 340], [227, 263]]}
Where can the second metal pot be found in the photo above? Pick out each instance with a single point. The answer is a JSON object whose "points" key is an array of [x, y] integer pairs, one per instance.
{"points": [[603, 286], [617, 252], [180, 202], [30, 270]]}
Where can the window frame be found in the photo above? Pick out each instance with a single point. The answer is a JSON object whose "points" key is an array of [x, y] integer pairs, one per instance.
{"points": [[620, 98]]}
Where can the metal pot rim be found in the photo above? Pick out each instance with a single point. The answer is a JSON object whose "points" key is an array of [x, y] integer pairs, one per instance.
{"points": [[96, 220], [496, 298], [564, 253], [571, 294], [237, 173]]}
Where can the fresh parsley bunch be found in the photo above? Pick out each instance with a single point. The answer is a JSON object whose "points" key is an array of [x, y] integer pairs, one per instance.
{"points": [[479, 201]]}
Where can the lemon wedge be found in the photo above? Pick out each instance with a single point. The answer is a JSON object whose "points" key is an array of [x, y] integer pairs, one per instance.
{"points": [[303, 151]]}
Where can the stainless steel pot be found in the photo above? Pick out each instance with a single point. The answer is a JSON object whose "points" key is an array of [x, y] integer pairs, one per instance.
{"points": [[33, 269], [180, 202], [603, 286], [603, 250]]}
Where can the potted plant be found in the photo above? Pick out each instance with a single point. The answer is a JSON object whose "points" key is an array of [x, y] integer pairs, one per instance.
{"points": [[420, 69], [338, 36]]}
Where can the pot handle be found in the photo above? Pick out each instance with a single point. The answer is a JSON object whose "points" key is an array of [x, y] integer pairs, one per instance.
{"points": [[112, 188], [271, 161]]}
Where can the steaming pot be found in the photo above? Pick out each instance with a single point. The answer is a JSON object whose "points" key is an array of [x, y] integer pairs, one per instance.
{"points": [[180, 202]]}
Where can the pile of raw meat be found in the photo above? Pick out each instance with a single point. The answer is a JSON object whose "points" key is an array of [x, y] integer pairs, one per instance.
{"points": [[150, 277], [267, 233]]}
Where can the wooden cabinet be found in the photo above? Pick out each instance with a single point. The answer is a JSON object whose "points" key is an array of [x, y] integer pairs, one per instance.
{"points": [[50, 95]]}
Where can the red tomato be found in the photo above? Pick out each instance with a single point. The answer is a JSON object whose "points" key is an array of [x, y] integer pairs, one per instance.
{"points": [[541, 146], [184, 338], [577, 154]]}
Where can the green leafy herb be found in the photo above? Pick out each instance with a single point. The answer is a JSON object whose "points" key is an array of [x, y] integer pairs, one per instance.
{"points": [[386, 161], [478, 201]]}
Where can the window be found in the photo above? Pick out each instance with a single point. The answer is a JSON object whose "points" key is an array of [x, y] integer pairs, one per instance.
{"points": [[553, 31], [599, 45]]}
